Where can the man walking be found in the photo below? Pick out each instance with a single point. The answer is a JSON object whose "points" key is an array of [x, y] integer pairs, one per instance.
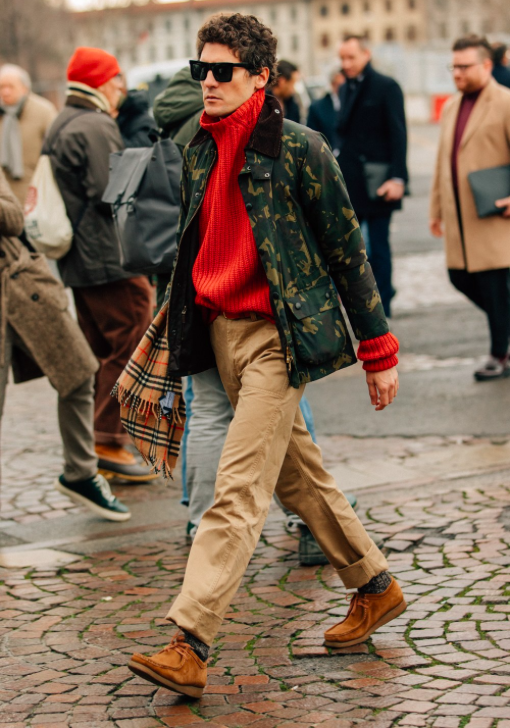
{"points": [[114, 308], [266, 215], [373, 147], [284, 89], [25, 118], [475, 135]]}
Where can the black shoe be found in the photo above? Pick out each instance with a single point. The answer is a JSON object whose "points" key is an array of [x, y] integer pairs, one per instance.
{"points": [[95, 494]]}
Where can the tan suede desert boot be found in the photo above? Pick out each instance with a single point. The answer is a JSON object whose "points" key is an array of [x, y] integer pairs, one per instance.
{"points": [[367, 612], [176, 667]]}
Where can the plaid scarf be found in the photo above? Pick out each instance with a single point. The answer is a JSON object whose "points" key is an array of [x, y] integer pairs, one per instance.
{"points": [[152, 407]]}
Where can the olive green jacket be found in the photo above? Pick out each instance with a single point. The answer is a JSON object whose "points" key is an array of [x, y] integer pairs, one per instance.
{"points": [[309, 242]]}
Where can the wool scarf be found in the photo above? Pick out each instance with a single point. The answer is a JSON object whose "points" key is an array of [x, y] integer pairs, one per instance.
{"points": [[75, 88], [228, 274]]}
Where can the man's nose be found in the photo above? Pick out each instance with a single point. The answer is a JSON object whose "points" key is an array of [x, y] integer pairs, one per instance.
{"points": [[210, 80]]}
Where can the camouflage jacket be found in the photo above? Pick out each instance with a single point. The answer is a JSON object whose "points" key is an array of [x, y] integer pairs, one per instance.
{"points": [[308, 239]]}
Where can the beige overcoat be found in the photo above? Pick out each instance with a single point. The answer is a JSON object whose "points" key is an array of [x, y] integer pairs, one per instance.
{"points": [[36, 118], [35, 304], [485, 144]]}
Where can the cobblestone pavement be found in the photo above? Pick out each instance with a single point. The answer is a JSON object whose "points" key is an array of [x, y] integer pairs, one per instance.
{"points": [[67, 632]]}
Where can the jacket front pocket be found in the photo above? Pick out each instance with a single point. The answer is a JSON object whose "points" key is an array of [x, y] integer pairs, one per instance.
{"points": [[317, 325]]}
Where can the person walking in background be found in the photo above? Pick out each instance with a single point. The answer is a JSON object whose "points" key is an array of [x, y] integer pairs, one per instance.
{"points": [[268, 316], [38, 337], [500, 69], [323, 114], [284, 89], [114, 308], [373, 146], [25, 118], [475, 135]]}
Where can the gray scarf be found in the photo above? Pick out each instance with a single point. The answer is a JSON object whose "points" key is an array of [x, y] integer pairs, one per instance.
{"points": [[11, 147]]}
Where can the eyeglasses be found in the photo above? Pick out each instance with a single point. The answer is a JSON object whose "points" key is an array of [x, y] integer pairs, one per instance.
{"points": [[461, 68], [222, 72]]}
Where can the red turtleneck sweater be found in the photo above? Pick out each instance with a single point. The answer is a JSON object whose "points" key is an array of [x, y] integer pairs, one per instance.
{"points": [[228, 274]]}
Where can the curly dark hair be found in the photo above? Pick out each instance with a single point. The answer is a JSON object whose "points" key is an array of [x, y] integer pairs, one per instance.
{"points": [[250, 40]]}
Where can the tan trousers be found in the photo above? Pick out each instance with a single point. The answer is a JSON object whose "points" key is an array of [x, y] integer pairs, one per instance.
{"points": [[267, 446]]}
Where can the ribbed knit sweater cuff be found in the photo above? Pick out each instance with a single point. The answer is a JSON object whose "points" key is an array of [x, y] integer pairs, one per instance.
{"points": [[380, 353]]}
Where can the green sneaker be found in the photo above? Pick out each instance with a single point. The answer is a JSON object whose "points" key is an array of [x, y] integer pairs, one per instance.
{"points": [[95, 494]]}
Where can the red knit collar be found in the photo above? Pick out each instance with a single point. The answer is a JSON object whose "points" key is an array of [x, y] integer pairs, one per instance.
{"points": [[244, 118]]}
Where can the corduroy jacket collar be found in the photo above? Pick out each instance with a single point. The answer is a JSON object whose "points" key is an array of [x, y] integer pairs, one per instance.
{"points": [[267, 135]]}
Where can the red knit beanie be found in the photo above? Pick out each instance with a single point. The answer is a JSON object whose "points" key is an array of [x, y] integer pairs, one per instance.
{"points": [[92, 66]]}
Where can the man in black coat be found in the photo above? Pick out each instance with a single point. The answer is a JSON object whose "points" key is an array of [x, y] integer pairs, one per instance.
{"points": [[500, 70], [323, 114], [372, 129]]}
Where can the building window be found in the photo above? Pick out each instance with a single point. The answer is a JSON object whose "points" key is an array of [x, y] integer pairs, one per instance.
{"points": [[323, 10], [367, 34], [134, 55], [325, 40], [186, 22], [411, 4], [273, 15], [152, 54], [345, 9], [487, 26], [389, 35], [168, 25], [293, 14], [170, 52], [187, 49], [465, 27], [294, 44], [411, 33], [442, 30], [366, 8], [388, 5]]}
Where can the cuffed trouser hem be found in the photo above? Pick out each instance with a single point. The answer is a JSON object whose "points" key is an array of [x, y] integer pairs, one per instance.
{"points": [[360, 573], [190, 615]]}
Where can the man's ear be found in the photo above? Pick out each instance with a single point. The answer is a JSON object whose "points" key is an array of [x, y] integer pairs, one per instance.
{"points": [[262, 78]]}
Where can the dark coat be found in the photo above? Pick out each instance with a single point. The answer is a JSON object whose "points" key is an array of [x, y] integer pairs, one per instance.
{"points": [[502, 74], [35, 304], [375, 132], [307, 237], [134, 121], [323, 117], [81, 165]]}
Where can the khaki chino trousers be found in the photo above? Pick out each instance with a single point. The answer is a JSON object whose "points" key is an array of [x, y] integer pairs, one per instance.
{"points": [[267, 447]]}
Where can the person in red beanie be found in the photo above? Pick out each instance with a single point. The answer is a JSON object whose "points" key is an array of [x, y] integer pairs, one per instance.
{"points": [[267, 231], [114, 307]]}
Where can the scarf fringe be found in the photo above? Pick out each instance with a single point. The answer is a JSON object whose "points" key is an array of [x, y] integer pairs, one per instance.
{"points": [[145, 407]]}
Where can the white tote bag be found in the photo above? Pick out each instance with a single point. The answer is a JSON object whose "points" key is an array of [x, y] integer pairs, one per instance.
{"points": [[47, 226]]}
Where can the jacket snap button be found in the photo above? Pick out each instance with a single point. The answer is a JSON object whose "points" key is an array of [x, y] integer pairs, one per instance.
{"points": [[197, 194], [277, 111], [248, 168], [328, 294], [15, 275], [35, 297], [275, 296], [298, 305], [267, 174], [249, 206]]}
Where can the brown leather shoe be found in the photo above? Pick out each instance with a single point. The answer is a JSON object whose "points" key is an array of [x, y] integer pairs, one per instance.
{"points": [[367, 612], [176, 667], [119, 463]]}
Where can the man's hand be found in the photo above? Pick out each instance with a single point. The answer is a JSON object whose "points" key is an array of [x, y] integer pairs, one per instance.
{"points": [[505, 202], [382, 387], [391, 190], [436, 227]]}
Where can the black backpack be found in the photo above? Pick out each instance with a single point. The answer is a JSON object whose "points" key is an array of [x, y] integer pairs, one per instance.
{"points": [[144, 192]]}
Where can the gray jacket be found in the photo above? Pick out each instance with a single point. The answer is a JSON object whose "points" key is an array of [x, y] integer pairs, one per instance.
{"points": [[80, 161]]}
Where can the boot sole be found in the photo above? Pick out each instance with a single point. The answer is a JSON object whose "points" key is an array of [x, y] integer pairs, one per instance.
{"points": [[392, 614], [111, 475], [147, 674], [98, 510]]}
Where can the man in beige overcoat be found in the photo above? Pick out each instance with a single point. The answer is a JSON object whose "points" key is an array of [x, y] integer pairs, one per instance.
{"points": [[25, 118], [475, 135], [38, 337]]}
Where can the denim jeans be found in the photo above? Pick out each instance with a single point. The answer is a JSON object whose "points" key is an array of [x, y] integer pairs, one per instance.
{"points": [[379, 255]]}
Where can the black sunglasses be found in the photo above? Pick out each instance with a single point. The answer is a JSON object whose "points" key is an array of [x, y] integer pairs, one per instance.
{"points": [[222, 72]]}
